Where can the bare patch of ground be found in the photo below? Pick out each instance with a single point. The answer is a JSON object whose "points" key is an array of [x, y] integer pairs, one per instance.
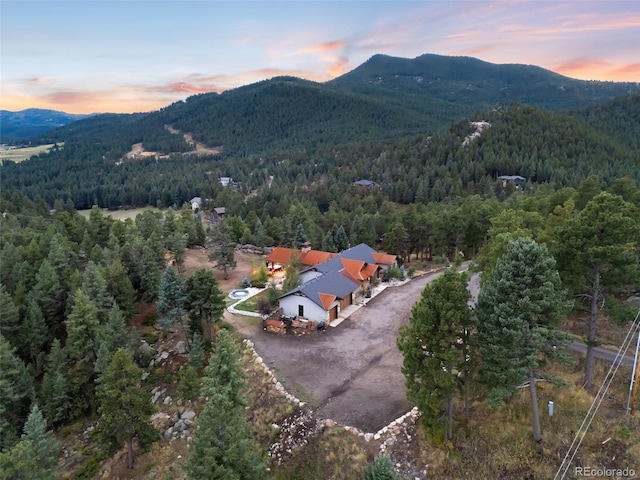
{"points": [[199, 258], [137, 149], [200, 148]]}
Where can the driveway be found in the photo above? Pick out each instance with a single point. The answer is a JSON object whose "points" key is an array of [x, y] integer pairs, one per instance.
{"points": [[350, 373]]}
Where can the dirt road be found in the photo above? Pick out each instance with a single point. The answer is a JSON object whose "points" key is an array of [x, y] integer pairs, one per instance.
{"points": [[350, 373]]}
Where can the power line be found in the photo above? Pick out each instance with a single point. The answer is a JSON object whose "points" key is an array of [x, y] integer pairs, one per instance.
{"points": [[593, 409]]}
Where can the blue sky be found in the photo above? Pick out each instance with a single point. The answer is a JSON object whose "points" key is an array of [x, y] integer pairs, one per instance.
{"points": [[83, 56]]}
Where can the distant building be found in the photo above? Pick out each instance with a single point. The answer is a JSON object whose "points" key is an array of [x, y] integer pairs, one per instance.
{"points": [[368, 184], [517, 179], [226, 181], [196, 203]]}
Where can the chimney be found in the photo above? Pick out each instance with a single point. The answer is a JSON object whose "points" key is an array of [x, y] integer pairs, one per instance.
{"points": [[306, 247]]}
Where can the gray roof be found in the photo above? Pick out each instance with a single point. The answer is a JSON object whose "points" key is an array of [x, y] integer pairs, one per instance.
{"points": [[511, 177], [365, 183], [332, 283], [360, 252]]}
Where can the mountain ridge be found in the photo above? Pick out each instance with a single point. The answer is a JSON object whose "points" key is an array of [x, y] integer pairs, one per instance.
{"points": [[34, 121]]}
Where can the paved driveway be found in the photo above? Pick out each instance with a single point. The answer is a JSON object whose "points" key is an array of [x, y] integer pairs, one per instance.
{"points": [[350, 373]]}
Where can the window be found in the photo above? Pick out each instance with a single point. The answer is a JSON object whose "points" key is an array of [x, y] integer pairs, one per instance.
{"points": [[301, 310]]}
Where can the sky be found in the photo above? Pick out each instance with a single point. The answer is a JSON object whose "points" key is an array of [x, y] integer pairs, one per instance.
{"points": [[85, 56]]}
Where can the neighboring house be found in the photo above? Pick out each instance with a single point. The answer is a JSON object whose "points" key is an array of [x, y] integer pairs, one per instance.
{"points": [[517, 179], [368, 184], [196, 203], [330, 286], [280, 257], [226, 181]]}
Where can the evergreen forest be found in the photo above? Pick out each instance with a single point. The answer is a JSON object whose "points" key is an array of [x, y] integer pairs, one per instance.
{"points": [[451, 172]]}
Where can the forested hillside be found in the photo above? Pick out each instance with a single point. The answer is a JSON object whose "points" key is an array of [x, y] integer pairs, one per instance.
{"points": [[294, 150], [15, 126], [550, 150]]}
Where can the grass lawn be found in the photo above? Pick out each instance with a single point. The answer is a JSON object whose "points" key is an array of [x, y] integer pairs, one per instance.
{"points": [[20, 154], [251, 304]]}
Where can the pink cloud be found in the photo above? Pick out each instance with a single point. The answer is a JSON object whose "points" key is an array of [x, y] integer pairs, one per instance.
{"points": [[628, 73], [589, 69], [325, 47]]}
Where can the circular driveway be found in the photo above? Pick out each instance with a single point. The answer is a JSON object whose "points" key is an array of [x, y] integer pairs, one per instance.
{"points": [[350, 373]]}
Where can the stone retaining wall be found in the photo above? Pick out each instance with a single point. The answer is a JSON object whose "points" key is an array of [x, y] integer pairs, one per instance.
{"points": [[384, 434]]}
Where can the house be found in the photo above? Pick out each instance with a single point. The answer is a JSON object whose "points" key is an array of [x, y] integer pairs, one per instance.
{"points": [[226, 181], [330, 286], [281, 256], [517, 179], [368, 184], [196, 203]]}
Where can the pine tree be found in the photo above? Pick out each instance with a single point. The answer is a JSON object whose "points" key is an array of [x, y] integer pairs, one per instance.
{"points": [[340, 239], [301, 236], [149, 276], [223, 248], [223, 446], [95, 286], [396, 240], [327, 243], [205, 300], [36, 333], [16, 390], [597, 254], [124, 406], [189, 383], [54, 391], [172, 300], [9, 318], [292, 273], [35, 457], [50, 295], [436, 350], [196, 355], [81, 349], [519, 309], [120, 288]]}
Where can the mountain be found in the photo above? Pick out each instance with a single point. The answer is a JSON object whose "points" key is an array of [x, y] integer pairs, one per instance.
{"points": [[31, 122], [384, 121], [472, 84], [383, 98]]}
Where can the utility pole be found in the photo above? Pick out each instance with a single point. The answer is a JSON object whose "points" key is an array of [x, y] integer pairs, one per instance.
{"points": [[635, 376]]}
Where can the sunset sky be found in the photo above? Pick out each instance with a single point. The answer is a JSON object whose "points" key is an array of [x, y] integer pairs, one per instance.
{"points": [[83, 56]]}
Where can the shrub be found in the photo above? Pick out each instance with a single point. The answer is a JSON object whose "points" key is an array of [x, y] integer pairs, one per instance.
{"points": [[264, 307], [151, 319], [273, 295], [189, 383], [411, 272], [150, 337]]}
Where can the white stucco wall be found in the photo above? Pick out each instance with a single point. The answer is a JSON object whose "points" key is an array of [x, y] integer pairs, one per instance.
{"points": [[311, 310], [310, 275]]}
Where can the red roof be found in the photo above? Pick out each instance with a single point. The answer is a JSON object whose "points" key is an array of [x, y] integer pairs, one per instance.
{"points": [[310, 258], [326, 299], [357, 269], [383, 258]]}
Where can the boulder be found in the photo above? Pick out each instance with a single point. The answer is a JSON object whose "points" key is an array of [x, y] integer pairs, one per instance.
{"points": [[181, 346]]}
